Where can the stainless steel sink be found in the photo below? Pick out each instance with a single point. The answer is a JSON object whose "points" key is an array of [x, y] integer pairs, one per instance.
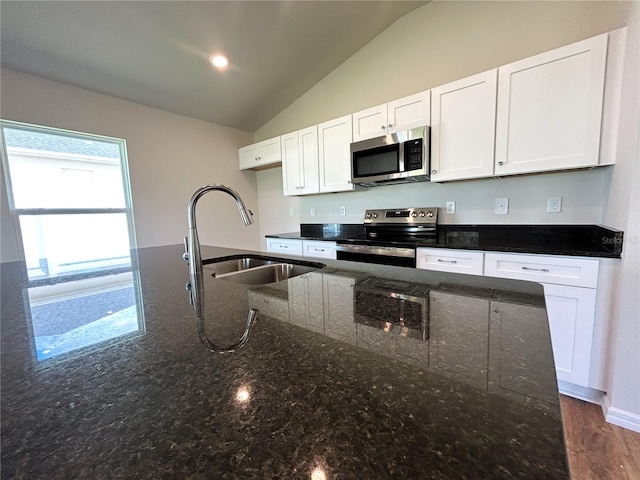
{"points": [[219, 269], [258, 271]]}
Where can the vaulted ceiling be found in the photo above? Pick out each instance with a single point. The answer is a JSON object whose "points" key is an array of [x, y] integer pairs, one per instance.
{"points": [[156, 53]]}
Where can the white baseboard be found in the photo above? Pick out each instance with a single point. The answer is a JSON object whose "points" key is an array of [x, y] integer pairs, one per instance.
{"points": [[581, 393], [620, 417]]}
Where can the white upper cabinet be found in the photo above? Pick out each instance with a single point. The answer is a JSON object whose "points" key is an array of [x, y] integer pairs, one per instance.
{"points": [[300, 173], [260, 154], [334, 140], [549, 109], [463, 117], [402, 114]]}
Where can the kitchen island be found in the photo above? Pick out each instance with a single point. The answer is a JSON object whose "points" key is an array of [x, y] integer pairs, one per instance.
{"points": [[351, 371]]}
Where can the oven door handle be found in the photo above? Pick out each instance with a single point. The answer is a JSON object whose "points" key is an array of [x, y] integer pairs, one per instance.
{"points": [[378, 250]]}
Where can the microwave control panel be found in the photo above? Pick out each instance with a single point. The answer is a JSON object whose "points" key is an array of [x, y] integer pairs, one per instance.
{"points": [[413, 154]]}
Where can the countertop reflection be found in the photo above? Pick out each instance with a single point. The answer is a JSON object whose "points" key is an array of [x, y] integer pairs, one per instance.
{"points": [[351, 371]]}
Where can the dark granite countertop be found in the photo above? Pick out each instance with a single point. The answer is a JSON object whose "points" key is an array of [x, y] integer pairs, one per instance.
{"points": [[573, 240], [353, 371]]}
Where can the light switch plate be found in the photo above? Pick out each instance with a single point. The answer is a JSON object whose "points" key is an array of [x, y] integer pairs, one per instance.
{"points": [[501, 206]]}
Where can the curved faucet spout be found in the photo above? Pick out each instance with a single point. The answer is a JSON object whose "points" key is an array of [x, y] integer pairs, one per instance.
{"points": [[193, 256], [192, 253]]}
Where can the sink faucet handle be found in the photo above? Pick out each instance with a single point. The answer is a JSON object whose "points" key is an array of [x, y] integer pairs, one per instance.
{"points": [[185, 255]]}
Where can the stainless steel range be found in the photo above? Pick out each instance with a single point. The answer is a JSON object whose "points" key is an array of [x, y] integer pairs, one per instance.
{"points": [[392, 236]]}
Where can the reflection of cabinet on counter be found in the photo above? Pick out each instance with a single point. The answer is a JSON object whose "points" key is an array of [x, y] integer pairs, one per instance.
{"points": [[571, 286], [459, 337], [513, 362], [339, 321], [269, 304], [306, 303]]}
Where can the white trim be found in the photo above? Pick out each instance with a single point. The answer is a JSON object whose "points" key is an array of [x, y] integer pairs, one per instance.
{"points": [[74, 157], [622, 418], [581, 393]]}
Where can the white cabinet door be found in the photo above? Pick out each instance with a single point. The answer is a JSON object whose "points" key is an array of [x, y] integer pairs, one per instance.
{"points": [[248, 156], [402, 114], [291, 165], [334, 140], [550, 109], [409, 112], [571, 312], [370, 123], [463, 128], [300, 162], [308, 157], [284, 245], [260, 154]]}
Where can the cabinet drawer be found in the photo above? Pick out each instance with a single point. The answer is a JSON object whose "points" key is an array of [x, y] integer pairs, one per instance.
{"points": [[576, 272], [448, 260], [291, 247], [319, 249]]}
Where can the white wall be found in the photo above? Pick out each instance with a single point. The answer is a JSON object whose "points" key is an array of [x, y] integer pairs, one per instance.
{"points": [[170, 156], [623, 211]]}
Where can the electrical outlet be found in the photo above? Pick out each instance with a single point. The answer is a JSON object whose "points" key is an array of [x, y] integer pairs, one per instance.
{"points": [[343, 210], [312, 212], [501, 206], [451, 208], [291, 212], [276, 213], [554, 204]]}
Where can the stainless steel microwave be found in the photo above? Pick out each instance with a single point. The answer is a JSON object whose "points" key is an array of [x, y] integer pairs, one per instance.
{"points": [[401, 157]]}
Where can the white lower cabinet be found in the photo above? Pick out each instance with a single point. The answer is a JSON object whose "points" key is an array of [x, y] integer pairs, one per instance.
{"points": [[570, 290], [307, 248], [284, 245], [571, 312], [450, 260], [319, 249]]}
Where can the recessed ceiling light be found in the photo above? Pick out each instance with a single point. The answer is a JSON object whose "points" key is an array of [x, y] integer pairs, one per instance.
{"points": [[218, 60]]}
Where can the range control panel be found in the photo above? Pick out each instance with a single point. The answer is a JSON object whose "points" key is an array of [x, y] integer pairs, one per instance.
{"points": [[425, 215]]}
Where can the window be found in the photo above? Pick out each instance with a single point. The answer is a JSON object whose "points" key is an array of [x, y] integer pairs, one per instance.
{"points": [[71, 206]]}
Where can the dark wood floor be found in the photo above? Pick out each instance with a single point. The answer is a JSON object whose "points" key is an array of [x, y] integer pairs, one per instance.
{"points": [[598, 450]]}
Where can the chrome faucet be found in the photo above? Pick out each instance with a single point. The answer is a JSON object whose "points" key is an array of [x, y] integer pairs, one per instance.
{"points": [[193, 256], [192, 243]]}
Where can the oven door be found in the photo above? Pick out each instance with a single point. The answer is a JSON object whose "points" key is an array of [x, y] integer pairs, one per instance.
{"points": [[402, 257]]}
